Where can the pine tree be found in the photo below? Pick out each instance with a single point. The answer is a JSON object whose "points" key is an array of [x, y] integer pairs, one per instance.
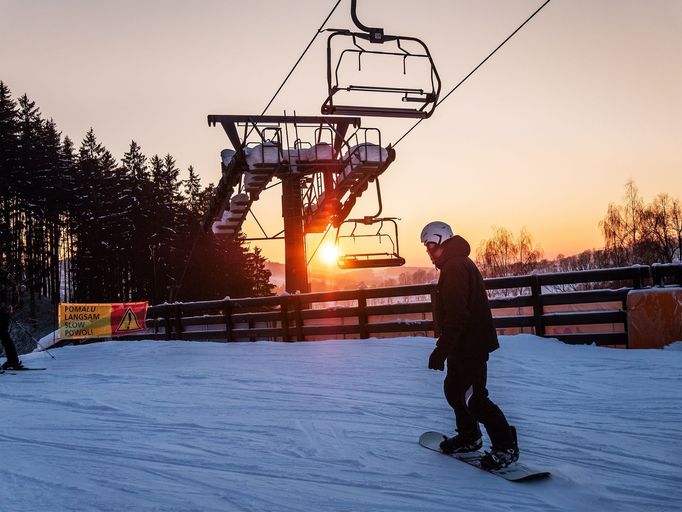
{"points": [[28, 216], [193, 191], [68, 169], [9, 143], [260, 275], [48, 205], [95, 196], [138, 278]]}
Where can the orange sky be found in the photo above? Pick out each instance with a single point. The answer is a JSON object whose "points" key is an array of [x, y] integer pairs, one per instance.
{"points": [[544, 136]]}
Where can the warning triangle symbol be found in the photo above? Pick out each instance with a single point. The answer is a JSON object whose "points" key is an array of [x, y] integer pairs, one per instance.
{"points": [[128, 322]]}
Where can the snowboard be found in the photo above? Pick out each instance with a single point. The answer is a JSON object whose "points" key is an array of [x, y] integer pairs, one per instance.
{"points": [[515, 472]]}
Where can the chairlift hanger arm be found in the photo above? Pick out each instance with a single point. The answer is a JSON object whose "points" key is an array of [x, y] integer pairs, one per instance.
{"points": [[381, 204], [376, 35]]}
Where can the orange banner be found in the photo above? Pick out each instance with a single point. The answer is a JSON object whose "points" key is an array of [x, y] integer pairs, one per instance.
{"points": [[78, 321]]}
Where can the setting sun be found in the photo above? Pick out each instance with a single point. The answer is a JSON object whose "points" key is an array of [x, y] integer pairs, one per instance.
{"points": [[329, 253]]}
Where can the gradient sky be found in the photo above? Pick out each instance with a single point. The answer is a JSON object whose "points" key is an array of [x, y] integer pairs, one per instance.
{"points": [[545, 135]]}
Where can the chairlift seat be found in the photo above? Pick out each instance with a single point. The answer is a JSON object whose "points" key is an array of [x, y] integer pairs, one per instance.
{"points": [[371, 260], [329, 108]]}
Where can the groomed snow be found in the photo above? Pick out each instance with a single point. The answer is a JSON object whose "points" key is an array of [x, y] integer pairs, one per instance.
{"points": [[332, 426]]}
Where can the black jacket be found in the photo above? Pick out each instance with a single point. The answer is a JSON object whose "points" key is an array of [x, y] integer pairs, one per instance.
{"points": [[463, 311]]}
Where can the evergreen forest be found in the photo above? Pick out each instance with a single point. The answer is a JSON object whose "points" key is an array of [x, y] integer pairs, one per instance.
{"points": [[78, 225]]}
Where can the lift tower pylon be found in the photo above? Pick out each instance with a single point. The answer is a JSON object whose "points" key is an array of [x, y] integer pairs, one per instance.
{"points": [[296, 268]]}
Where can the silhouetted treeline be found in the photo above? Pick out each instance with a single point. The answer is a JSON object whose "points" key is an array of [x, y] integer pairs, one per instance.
{"points": [[78, 226], [635, 232]]}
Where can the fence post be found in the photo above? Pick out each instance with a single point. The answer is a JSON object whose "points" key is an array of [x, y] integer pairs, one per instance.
{"points": [[434, 312], [252, 326], [362, 315], [637, 280], [167, 326], [178, 318], [227, 313], [155, 318], [538, 310], [677, 274], [298, 317], [657, 276], [284, 310]]}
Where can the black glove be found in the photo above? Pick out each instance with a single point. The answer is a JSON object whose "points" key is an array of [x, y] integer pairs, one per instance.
{"points": [[437, 358]]}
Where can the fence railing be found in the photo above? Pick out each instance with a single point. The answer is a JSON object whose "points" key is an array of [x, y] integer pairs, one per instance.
{"points": [[593, 310]]}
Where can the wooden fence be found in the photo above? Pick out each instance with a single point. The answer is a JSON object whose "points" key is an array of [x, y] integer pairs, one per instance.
{"points": [[538, 303]]}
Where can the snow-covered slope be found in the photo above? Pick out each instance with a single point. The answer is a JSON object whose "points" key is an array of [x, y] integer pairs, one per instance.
{"points": [[178, 426]]}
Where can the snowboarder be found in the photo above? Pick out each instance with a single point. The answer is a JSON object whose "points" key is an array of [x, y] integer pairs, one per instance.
{"points": [[467, 337], [9, 297]]}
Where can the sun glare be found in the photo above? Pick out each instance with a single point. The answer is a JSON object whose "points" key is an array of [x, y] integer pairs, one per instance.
{"points": [[329, 253]]}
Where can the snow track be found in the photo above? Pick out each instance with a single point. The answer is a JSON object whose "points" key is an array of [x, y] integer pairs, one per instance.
{"points": [[177, 426]]}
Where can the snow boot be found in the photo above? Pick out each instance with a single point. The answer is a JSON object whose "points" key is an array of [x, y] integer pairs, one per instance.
{"points": [[462, 443], [498, 458], [12, 366]]}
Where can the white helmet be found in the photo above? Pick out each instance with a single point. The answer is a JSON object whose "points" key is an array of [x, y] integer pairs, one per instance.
{"points": [[437, 232]]}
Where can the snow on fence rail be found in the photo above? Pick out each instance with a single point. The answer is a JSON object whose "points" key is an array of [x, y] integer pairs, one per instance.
{"points": [[404, 310]]}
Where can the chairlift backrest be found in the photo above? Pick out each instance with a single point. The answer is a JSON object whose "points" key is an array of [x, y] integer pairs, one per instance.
{"points": [[265, 153]]}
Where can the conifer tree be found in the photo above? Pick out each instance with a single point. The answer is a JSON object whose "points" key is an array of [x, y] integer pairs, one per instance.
{"points": [[136, 173], [27, 233], [193, 192], [68, 171], [92, 213], [9, 144]]}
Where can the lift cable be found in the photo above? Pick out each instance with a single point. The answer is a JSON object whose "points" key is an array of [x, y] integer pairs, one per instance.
{"points": [[317, 33], [475, 69], [279, 89], [319, 244]]}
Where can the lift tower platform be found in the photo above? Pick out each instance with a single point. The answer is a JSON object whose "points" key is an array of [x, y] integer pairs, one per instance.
{"points": [[324, 164]]}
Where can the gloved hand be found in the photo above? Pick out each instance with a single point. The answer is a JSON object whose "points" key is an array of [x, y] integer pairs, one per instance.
{"points": [[437, 358]]}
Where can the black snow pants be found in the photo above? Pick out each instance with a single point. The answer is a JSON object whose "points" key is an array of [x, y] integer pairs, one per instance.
{"points": [[465, 391], [6, 339]]}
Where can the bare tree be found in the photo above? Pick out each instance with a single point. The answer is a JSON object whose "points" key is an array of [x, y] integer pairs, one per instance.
{"points": [[504, 255], [658, 228], [676, 222], [636, 232]]}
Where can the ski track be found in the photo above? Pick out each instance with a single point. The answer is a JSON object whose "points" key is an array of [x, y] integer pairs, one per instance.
{"points": [[176, 426]]}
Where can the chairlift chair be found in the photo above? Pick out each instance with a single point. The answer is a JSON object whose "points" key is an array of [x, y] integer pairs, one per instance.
{"points": [[371, 259], [355, 93]]}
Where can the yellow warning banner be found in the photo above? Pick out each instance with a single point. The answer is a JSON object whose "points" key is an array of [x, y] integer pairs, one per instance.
{"points": [[101, 320]]}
